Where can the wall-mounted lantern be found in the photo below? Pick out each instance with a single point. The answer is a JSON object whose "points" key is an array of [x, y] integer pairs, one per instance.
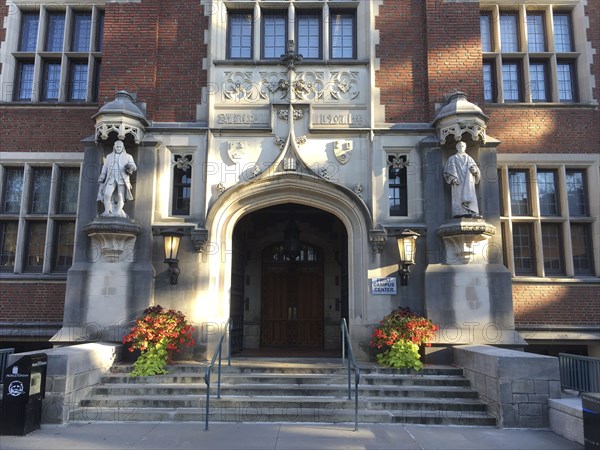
{"points": [[407, 249], [172, 239]]}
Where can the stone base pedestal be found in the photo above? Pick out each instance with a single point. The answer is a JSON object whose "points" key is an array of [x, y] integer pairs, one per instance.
{"points": [[104, 283]]}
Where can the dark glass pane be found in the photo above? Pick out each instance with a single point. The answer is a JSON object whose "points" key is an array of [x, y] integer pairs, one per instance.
{"points": [[96, 80], [547, 192], [41, 180], [511, 82], [308, 32], [78, 82], [523, 249], [489, 83], [397, 186], [36, 242], [8, 245], [240, 35], [509, 40], [82, 25], [69, 188], [518, 181], [576, 194], [100, 31], [565, 74], [274, 34], [51, 81], [536, 38], [29, 29], [65, 236], [581, 243], [182, 191], [486, 32], [562, 33], [552, 248], [24, 84], [539, 85], [13, 189], [342, 35], [55, 33]]}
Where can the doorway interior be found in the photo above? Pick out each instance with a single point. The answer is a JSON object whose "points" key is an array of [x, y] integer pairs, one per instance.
{"points": [[289, 288]]}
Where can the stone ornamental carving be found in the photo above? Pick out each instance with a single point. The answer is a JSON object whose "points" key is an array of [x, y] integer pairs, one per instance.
{"points": [[239, 86], [121, 117], [344, 86], [256, 171], [301, 140], [115, 183], [283, 114], [183, 162], [358, 189], [309, 86], [290, 58], [342, 151], [377, 238], [324, 172], [199, 239], [220, 188], [280, 142]]}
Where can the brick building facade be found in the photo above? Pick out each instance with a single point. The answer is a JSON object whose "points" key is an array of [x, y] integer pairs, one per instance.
{"points": [[349, 143]]}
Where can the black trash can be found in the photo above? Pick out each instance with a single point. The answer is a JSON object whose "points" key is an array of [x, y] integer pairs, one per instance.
{"points": [[590, 403], [24, 389]]}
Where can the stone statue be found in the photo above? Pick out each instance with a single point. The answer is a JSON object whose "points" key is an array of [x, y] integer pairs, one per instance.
{"points": [[462, 173], [115, 186]]}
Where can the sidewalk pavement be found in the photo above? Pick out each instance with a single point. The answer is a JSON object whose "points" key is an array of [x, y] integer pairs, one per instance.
{"points": [[288, 436]]}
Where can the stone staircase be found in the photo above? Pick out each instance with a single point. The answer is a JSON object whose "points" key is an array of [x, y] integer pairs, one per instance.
{"points": [[254, 390]]}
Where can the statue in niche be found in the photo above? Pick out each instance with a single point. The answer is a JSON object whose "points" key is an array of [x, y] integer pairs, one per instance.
{"points": [[115, 186], [462, 173]]}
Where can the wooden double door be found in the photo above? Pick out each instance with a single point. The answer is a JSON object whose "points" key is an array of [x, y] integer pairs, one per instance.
{"points": [[292, 305]]}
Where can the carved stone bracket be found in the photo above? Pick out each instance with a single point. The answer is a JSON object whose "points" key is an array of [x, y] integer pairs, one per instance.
{"points": [[113, 239], [377, 238], [199, 239]]}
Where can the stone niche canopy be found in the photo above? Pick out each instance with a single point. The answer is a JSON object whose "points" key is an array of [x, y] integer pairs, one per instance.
{"points": [[121, 116], [459, 116]]}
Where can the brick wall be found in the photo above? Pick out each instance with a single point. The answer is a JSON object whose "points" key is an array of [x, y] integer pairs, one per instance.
{"points": [[556, 304], [163, 64], [33, 301], [45, 128]]}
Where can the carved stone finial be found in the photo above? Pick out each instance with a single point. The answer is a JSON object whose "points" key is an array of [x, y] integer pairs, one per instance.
{"points": [[290, 58]]}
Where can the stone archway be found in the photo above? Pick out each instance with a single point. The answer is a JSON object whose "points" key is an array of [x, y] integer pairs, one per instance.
{"points": [[283, 188]]}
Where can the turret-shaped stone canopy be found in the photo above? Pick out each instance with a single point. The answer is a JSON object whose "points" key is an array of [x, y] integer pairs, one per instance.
{"points": [[459, 116], [122, 116]]}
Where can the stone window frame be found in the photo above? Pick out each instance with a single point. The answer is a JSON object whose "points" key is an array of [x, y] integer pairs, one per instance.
{"points": [[24, 218], [325, 10], [580, 57], [538, 223], [414, 185], [12, 58]]}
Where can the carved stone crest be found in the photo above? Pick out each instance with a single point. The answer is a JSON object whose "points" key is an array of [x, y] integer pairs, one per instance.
{"points": [[236, 150], [343, 151]]}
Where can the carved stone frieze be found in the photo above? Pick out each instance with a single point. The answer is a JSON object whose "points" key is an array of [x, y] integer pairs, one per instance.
{"points": [[377, 238], [239, 86], [309, 86], [273, 84], [344, 85]]}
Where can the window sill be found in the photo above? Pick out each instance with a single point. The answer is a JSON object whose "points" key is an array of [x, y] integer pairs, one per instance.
{"points": [[275, 62], [33, 277], [90, 105], [589, 279], [541, 105]]}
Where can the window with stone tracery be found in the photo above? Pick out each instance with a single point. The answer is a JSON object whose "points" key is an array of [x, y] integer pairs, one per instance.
{"points": [[397, 185], [182, 185]]}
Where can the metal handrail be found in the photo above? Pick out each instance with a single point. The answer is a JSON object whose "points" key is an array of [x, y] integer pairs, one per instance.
{"points": [[351, 365], [581, 373], [218, 352]]}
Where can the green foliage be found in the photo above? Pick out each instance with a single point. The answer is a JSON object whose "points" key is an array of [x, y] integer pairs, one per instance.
{"points": [[402, 354], [152, 361]]}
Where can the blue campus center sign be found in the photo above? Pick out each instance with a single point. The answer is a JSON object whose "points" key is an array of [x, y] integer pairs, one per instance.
{"points": [[384, 286]]}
